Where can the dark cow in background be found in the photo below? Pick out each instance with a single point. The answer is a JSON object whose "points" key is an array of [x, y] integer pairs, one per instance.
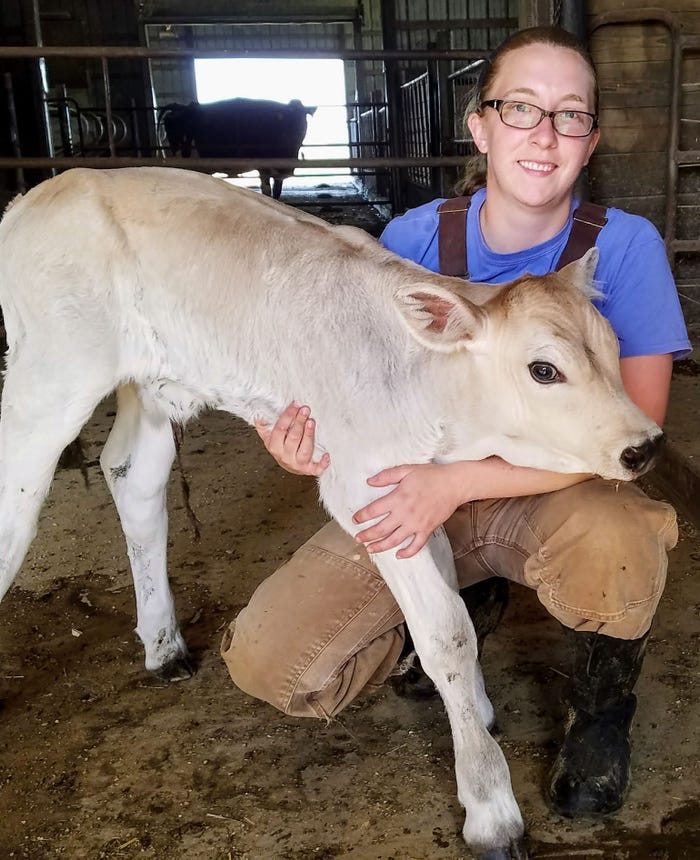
{"points": [[239, 128]]}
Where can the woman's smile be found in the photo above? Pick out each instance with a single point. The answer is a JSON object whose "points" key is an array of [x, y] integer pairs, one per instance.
{"points": [[543, 167]]}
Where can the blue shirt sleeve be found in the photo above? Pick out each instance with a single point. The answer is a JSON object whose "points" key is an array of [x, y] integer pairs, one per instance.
{"points": [[640, 296], [413, 235]]}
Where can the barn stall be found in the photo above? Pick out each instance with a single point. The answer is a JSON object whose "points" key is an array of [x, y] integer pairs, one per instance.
{"points": [[98, 759]]}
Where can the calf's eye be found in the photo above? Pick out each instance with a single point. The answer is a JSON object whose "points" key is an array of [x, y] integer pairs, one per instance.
{"points": [[544, 372]]}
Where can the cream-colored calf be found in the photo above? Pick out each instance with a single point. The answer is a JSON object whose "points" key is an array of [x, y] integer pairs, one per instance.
{"points": [[184, 293]]}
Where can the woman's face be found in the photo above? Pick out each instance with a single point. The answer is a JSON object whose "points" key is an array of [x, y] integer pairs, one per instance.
{"points": [[536, 167]]}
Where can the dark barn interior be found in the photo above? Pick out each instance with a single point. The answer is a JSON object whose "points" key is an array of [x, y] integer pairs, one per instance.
{"points": [[96, 760]]}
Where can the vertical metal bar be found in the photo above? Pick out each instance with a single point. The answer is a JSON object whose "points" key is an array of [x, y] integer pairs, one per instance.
{"points": [[81, 135], [135, 134], [14, 131], [393, 98], [359, 68], [64, 123], [43, 78], [39, 80], [573, 18], [424, 140], [673, 144], [151, 117], [434, 129], [108, 105], [374, 115]]}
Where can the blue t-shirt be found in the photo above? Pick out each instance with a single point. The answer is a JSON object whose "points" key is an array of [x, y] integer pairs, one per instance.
{"points": [[639, 296]]}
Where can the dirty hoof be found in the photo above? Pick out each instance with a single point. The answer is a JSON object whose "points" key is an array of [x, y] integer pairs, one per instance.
{"points": [[515, 851], [410, 681], [178, 669]]}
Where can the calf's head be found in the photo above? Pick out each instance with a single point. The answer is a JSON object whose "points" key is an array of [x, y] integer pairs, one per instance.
{"points": [[531, 373]]}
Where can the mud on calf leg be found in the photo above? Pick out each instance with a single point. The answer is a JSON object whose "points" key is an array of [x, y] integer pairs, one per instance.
{"points": [[166, 653]]}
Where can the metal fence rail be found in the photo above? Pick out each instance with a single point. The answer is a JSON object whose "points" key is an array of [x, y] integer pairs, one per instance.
{"points": [[125, 53], [235, 165]]}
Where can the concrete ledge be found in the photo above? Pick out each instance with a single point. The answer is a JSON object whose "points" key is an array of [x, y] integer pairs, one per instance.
{"points": [[677, 477]]}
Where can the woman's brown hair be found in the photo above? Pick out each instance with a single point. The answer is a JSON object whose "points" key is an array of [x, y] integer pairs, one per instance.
{"points": [[474, 174]]}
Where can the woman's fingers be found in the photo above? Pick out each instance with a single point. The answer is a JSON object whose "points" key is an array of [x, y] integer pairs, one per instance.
{"points": [[263, 430], [410, 542], [291, 441], [305, 445], [289, 428], [318, 467], [419, 541], [382, 529]]}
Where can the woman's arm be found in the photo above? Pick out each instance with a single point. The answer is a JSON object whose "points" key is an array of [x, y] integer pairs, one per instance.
{"points": [[426, 495], [647, 381]]}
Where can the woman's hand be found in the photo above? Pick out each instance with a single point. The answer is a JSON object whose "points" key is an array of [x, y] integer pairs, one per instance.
{"points": [[427, 495], [424, 497], [291, 441]]}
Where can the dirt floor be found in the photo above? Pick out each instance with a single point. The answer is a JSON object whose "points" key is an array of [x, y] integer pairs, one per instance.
{"points": [[98, 760]]}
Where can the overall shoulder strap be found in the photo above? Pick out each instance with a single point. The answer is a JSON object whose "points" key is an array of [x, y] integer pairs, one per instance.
{"points": [[452, 236], [589, 220]]}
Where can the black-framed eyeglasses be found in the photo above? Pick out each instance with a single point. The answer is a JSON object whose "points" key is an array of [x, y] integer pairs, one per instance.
{"points": [[569, 123]]}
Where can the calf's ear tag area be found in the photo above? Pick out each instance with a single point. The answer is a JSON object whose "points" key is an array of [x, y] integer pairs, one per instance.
{"points": [[436, 309]]}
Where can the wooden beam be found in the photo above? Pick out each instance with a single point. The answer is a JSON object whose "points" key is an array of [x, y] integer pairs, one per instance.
{"points": [[536, 13], [457, 24]]}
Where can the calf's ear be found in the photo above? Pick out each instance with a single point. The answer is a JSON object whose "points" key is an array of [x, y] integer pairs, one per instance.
{"points": [[438, 318], [580, 273]]}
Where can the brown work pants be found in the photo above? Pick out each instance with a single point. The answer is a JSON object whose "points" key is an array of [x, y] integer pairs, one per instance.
{"points": [[325, 628]]}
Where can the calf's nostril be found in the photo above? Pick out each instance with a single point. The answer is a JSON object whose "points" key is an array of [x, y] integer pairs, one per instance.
{"points": [[639, 458]]}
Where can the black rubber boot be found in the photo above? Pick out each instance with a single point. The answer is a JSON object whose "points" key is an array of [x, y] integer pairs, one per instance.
{"points": [[591, 773], [486, 602]]}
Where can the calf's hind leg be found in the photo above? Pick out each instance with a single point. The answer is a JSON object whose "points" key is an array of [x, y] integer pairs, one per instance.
{"points": [[43, 410], [136, 463]]}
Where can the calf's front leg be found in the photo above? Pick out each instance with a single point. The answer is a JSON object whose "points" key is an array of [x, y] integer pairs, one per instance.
{"points": [[425, 588]]}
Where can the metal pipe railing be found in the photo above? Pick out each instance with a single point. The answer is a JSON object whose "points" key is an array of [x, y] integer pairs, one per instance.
{"points": [[14, 135], [232, 165], [125, 53]]}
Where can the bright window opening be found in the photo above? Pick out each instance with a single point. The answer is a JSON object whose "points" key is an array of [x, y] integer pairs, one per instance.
{"points": [[313, 82]]}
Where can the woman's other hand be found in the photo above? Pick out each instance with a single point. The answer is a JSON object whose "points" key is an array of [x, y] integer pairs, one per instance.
{"points": [[290, 440]]}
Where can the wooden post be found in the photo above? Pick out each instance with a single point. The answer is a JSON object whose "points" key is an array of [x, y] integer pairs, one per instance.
{"points": [[535, 13]]}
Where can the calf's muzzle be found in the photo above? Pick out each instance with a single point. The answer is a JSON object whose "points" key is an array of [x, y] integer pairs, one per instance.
{"points": [[640, 458]]}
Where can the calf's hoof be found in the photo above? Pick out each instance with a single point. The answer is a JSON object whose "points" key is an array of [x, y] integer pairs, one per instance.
{"points": [[179, 668], [166, 655], [410, 681], [516, 850]]}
